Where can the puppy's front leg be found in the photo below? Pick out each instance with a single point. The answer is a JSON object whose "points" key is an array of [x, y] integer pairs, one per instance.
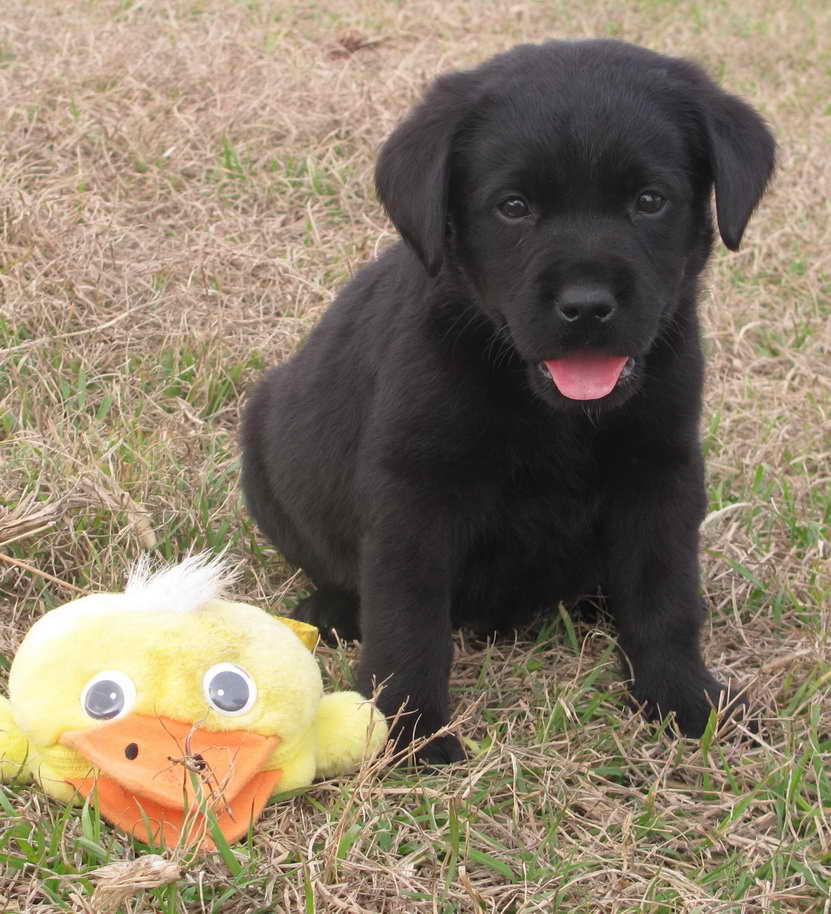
{"points": [[654, 596], [405, 623]]}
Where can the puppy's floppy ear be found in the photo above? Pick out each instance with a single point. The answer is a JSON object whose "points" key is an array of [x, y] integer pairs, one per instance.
{"points": [[742, 153], [412, 176]]}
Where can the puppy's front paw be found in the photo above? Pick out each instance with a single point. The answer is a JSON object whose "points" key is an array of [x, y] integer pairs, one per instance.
{"points": [[441, 750], [438, 750], [692, 699]]}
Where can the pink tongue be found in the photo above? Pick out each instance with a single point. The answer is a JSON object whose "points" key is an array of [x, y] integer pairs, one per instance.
{"points": [[586, 375]]}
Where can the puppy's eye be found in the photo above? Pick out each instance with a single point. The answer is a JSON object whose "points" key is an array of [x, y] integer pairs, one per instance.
{"points": [[514, 208], [650, 202]]}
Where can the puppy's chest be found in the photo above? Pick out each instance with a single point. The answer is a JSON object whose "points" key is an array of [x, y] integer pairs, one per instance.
{"points": [[546, 515], [532, 542], [538, 485]]}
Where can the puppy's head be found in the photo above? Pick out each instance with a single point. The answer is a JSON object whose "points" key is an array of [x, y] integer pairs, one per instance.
{"points": [[568, 184]]}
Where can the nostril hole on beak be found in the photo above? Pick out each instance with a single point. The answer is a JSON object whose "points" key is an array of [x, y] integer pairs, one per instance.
{"points": [[569, 313], [604, 312], [131, 751]]}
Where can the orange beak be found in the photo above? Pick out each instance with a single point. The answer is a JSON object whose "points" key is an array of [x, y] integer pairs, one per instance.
{"points": [[148, 767]]}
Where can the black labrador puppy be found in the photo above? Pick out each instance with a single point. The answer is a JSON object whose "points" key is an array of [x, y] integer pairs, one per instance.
{"points": [[502, 411]]}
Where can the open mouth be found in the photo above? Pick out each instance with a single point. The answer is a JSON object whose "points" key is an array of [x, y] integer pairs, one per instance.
{"points": [[587, 375]]}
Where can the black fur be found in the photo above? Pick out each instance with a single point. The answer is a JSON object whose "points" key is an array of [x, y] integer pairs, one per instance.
{"points": [[413, 458]]}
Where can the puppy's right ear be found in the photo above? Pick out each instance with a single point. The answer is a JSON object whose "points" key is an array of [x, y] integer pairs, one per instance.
{"points": [[412, 176], [742, 154], [738, 146]]}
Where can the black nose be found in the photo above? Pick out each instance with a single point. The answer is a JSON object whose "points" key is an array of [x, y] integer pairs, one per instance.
{"points": [[584, 302]]}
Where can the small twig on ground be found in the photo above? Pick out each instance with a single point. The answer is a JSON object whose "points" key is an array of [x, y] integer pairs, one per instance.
{"points": [[42, 574]]}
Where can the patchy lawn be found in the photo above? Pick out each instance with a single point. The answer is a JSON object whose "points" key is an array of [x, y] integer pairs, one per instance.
{"points": [[183, 186]]}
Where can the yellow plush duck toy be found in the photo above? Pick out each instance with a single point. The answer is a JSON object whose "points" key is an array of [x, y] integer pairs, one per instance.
{"points": [[165, 697]]}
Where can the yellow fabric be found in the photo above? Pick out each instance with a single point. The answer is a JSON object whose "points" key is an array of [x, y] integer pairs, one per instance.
{"points": [[297, 762], [348, 727], [166, 655], [308, 634], [14, 746]]}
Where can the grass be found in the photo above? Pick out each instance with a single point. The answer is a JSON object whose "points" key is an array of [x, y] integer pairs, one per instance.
{"points": [[183, 186]]}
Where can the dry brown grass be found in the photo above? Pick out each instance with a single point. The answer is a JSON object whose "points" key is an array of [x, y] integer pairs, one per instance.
{"points": [[183, 185]]}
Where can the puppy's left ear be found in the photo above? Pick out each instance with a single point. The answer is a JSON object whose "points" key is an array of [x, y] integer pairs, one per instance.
{"points": [[742, 153], [412, 175]]}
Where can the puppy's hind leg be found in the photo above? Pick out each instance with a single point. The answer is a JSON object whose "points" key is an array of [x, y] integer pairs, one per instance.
{"points": [[329, 606]]}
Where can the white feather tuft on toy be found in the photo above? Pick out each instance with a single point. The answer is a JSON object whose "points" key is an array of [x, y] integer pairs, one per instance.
{"points": [[178, 588]]}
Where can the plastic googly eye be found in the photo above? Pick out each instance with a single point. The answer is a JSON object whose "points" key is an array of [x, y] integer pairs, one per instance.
{"points": [[108, 695], [229, 689]]}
